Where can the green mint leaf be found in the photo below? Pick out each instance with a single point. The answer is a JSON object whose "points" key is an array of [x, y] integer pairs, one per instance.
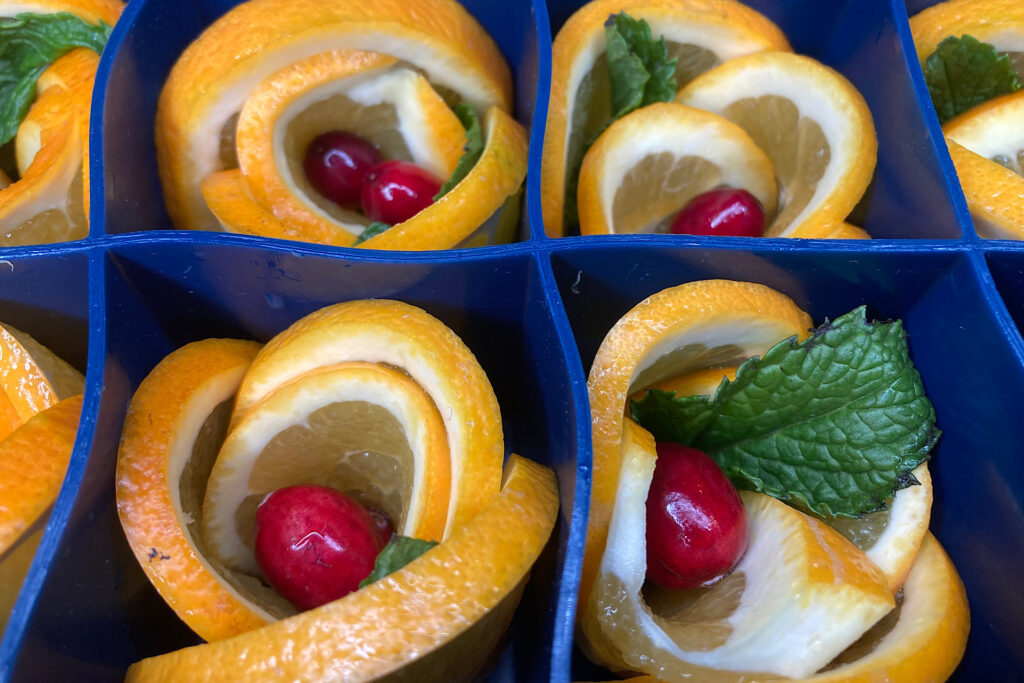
{"points": [[372, 230], [639, 70], [964, 72], [28, 44], [470, 153], [639, 73], [834, 424], [400, 551]]}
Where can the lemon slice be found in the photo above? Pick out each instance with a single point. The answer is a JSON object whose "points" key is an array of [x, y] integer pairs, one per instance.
{"points": [[363, 93], [994, 130], [411, 340], [798, 597], [361, 428], [33, 461], [436, 619], [174, 426], [997, 22], [811, 122], [253, 41], [700, 33], [698, 325], [651, 162]]}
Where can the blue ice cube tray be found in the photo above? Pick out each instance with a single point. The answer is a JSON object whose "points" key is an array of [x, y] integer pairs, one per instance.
{"points": [[534, 312]]}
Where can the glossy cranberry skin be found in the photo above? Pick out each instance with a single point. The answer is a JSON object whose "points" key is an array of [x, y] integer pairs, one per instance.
{"points": [[696, 524], [395, 191], [726, 211], [382, 526], [314, 544], [337, 163]]}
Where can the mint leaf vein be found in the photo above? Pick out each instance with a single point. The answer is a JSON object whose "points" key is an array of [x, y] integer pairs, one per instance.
{"points": [[28, 44], [964, 72], [834, 424], [400, 551]]}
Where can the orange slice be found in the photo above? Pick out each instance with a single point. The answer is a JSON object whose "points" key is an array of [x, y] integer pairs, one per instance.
{"points": [[424, 622], [472, 211], [995, 194], [647, 165], [811, 122], [14, 566], [227, 194], [365, 429], [413, 341], [32, 378], [33, 462], [922, 639], [798, 597], [364, 93], [253, 41], [50, 201], [997, 22], [987, 148], [91, 11], [891, 538], [710, 323], [700, 33], [174, 426]]}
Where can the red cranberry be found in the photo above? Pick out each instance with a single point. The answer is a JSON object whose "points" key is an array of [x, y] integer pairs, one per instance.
{"points": [[337, 163], [726, 211], [382, 526], [395, 191], [696, 524], [314, 544]]}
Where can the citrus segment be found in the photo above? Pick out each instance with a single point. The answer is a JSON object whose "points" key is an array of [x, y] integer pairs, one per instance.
{"points": [[997, 22], [411, 340], [647, 165], [704, 382], [214, 76], [798, 597], [994, 193], [417, 611], [173, 428], [469, 206], [891, 538], [699, 33], [811, 122], [227, 195], [710, 323], [32, 377], [33, 462], [363, 93], [364, 429]]}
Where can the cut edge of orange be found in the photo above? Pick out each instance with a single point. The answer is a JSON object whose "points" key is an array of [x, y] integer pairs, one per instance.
{"points": [[164, 420], [497, 174], [212, 78], [578, 44], [408, 338], [32, 377], [410, 613], [686, 311], [995, 195]]}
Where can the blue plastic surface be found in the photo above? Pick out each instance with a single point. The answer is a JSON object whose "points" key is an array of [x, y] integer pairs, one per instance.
{"points": [[534, 313]]}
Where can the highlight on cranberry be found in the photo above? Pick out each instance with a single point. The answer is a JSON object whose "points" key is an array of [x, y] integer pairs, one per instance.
{"points": [[696, 524], [315, 544], [336, 165], [395, 191], [726, 211]]}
